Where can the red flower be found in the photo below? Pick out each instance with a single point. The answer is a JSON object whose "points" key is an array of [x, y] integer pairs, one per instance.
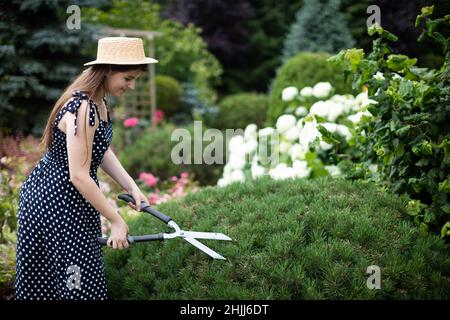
{"points": [[159, 116]]}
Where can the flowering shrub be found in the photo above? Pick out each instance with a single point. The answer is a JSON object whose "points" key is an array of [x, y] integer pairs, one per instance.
{"points": [[131, 122], [409, 137], [159, 116], [160, 192], [311, 141], [18, 155]]}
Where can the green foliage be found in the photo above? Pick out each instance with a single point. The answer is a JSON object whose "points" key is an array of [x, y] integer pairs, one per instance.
{"points": [[10, 183], [180, 50], [409, 136], [151, 152], [239, 110], [168, 94], [258, 53], [292, 239], [305, 69], [319, 27], [38, 60]]}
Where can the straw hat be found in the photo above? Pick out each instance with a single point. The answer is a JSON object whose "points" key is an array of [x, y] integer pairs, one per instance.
{"points": [[121, 50]]}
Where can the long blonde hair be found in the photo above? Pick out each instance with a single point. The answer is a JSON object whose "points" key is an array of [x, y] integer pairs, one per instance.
{"points": [[92, 82]]}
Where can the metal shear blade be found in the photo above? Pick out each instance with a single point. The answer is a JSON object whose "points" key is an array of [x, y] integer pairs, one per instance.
{"points": [[204, 248], [204, 235]]}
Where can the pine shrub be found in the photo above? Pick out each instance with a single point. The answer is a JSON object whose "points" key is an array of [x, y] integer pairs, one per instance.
{"points": [[292, 239], [319, 27]]}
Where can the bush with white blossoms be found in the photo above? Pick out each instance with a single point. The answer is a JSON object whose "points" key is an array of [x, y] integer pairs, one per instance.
{"points": [[310, 140]]}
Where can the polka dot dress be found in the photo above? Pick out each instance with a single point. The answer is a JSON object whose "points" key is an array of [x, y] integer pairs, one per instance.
{"points": [[58, 256]]}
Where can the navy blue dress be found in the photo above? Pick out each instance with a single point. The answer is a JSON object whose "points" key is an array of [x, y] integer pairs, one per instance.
{"points": [[58, 256]]}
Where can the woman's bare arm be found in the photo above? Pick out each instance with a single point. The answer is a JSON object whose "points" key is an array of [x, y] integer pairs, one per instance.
{"points": [[112, 166], [79, 166]]}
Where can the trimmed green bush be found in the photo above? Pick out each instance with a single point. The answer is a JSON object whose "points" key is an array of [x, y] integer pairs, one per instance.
{"points": [[292, 239], [239, 110], [304, 69], [168, 93]]}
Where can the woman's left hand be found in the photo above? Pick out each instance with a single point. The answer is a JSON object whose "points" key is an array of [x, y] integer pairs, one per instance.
{"points": [[138, 197]]}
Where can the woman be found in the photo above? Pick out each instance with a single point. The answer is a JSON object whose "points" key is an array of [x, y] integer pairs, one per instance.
{"points": [[58, 255]]}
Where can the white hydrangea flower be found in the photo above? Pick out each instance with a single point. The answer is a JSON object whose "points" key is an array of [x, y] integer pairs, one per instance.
{"points": [[250, 146], [306, 92], [222, 182], [235, 144], [257, 170], [237, 176], [344, 131], [285, 122], [325, 145], [297, 152], [301, 169], [334, 171], [327, 109], [250, 132], [308, 134], [292, 134], [289, 93], [378, 76], [355, 118], [322, 89], [361, 97], [301, 111], [373, 168], [236, 162], [332, 127], [284, 146], [367, 102], [281, 172], [266, 132]]}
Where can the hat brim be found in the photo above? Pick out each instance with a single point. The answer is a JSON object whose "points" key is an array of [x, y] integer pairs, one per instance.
{"points": [[136, 62]]}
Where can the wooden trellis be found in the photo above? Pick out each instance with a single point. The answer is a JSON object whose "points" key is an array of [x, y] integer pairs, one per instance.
{"points": [[139, 98]]}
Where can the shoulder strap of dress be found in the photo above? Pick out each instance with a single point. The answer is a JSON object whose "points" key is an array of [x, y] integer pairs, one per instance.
{"points": [[107, 108], [74, 104]]}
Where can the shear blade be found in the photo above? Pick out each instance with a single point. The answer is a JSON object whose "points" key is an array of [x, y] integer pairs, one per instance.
{"points": [[205, 235], [204, 248]]}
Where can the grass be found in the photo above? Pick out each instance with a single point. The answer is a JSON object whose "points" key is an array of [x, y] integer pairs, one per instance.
{"points": [[294, 239]]}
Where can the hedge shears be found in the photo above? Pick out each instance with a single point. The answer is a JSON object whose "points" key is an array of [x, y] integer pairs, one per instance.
{"points": [[189, 236]]}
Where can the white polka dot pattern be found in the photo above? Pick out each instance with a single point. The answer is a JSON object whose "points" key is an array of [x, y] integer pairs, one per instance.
{"points": [[58, 227]]}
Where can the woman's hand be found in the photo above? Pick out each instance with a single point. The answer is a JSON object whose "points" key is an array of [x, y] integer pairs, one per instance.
{"points": [[119, 232], [138, 197]]}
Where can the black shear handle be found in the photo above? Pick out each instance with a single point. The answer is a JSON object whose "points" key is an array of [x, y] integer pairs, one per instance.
{"points": [[133, 239], [146, 207]]}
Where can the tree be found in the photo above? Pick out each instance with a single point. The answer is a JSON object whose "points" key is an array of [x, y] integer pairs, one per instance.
{"points": [[319, 26], [40, 55]]}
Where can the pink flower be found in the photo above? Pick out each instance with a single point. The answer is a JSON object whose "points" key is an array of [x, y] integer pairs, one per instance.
{"points": [[159, 116], [154, 198], [131, 122], [184, 175], [173, 178], [148, 178]]}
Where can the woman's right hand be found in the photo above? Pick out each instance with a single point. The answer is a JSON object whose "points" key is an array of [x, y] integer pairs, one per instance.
{"points": [[118, 238]]}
